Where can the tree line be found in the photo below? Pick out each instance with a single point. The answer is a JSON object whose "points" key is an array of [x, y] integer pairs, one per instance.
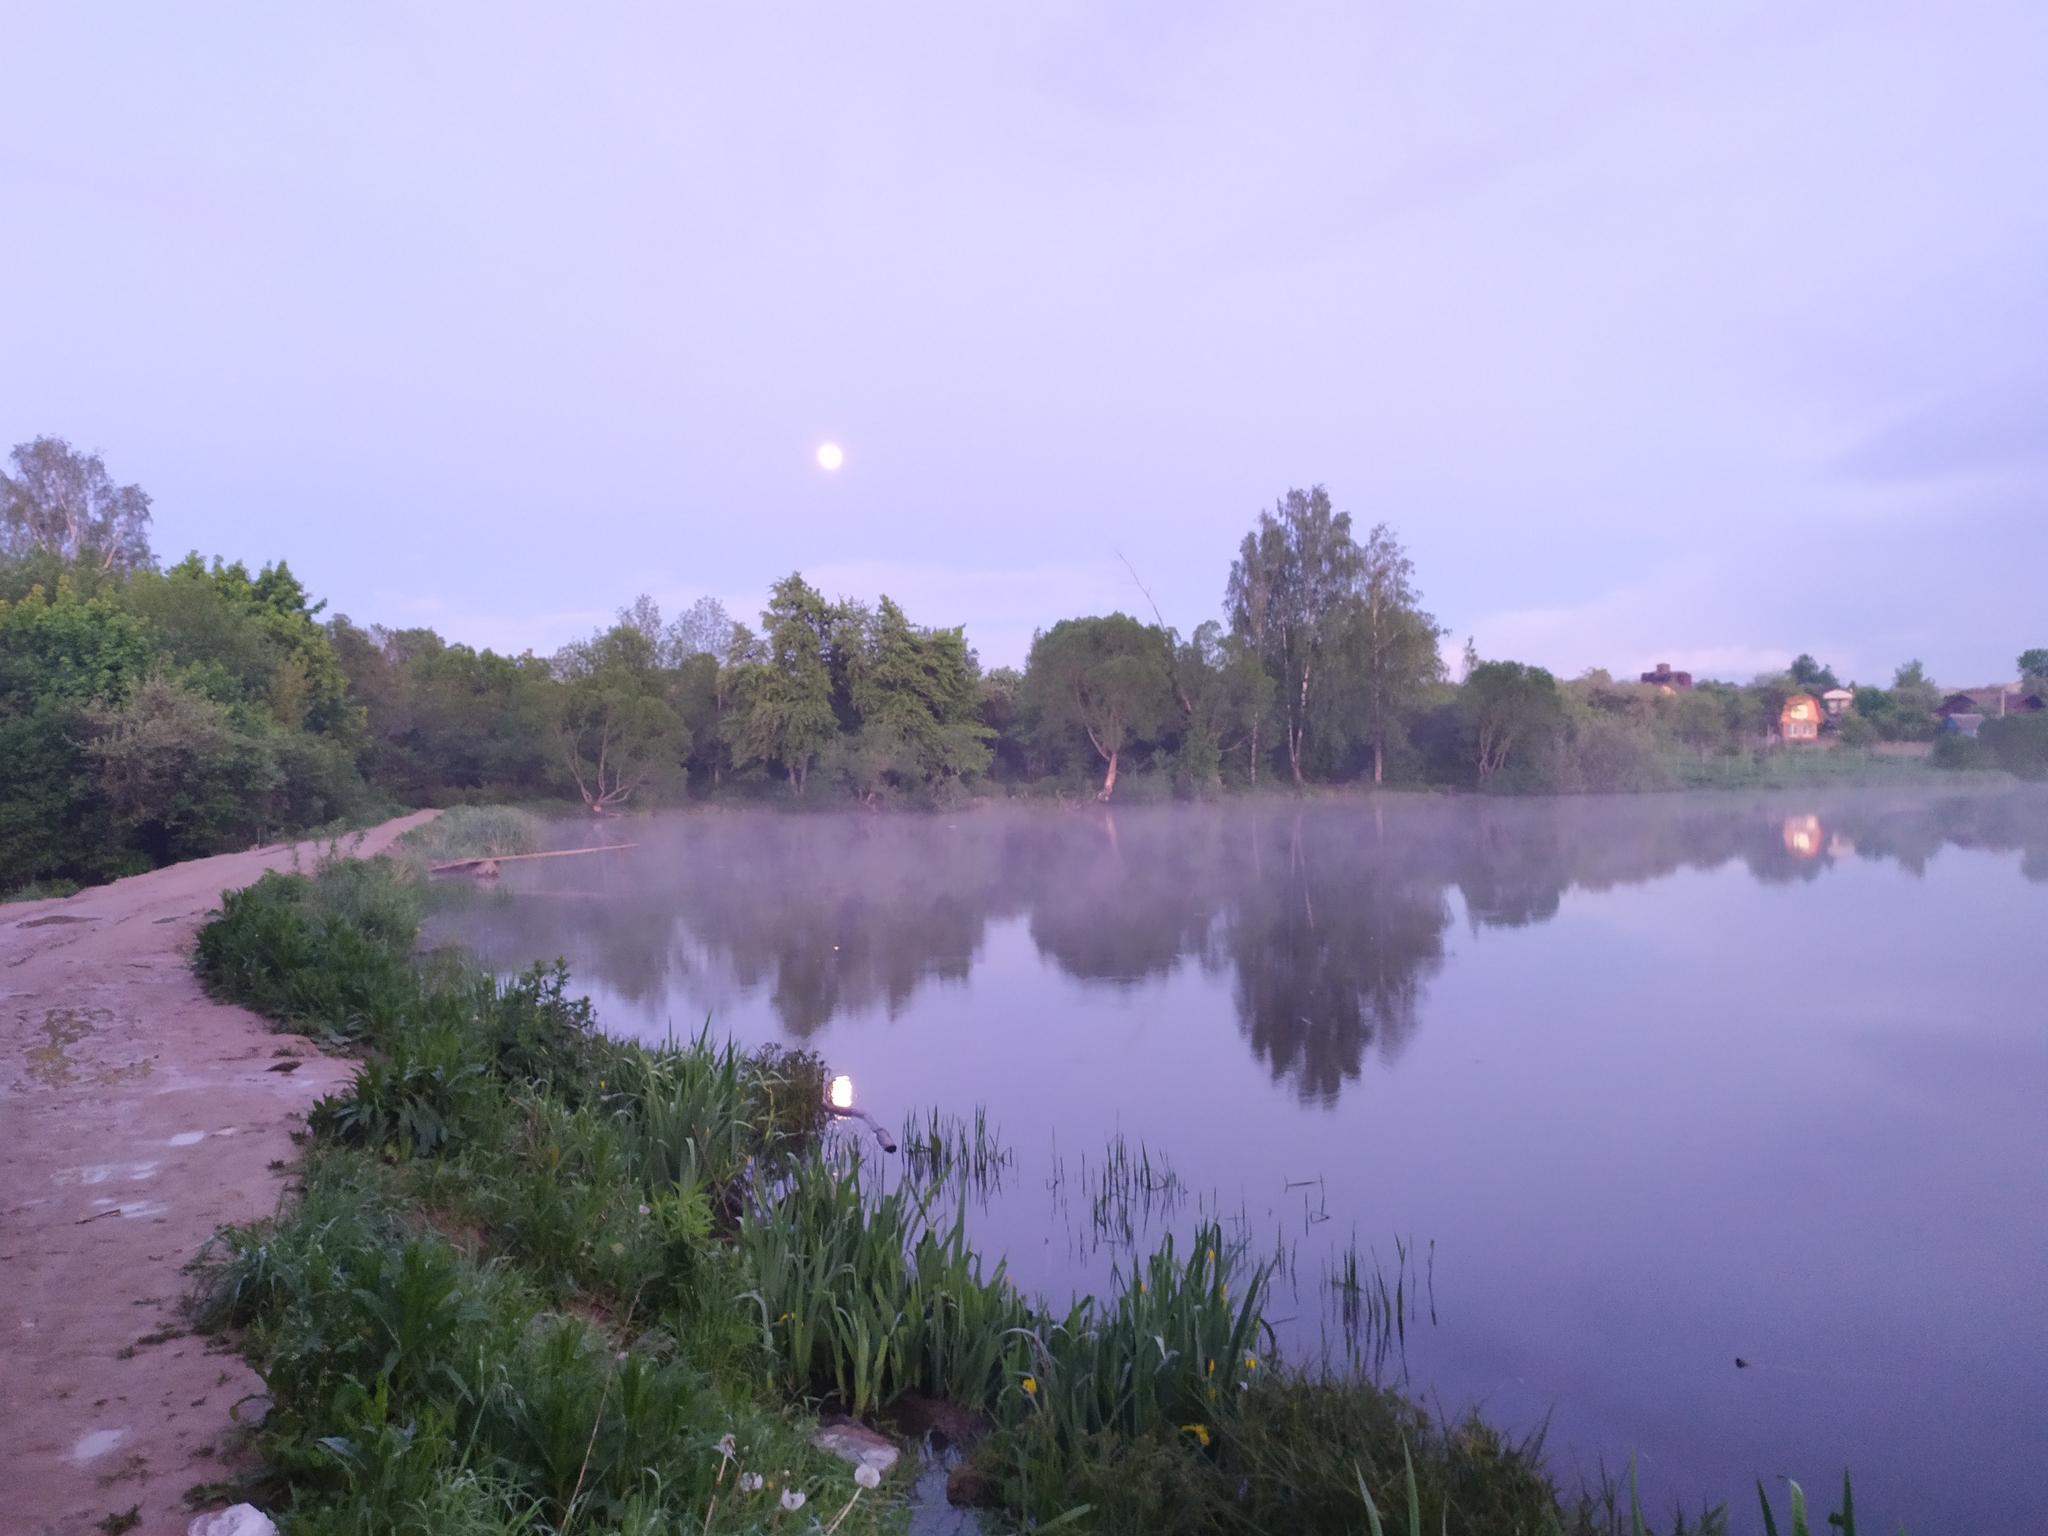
{"points": [[151, 713]]}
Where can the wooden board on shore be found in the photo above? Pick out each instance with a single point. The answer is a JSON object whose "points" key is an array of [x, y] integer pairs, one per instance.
{"points": [[488, 863]]}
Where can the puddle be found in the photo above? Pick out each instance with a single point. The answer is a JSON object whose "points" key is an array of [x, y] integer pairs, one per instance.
{"points": [[53, 1066], [930, 1514], [97, 1443]]}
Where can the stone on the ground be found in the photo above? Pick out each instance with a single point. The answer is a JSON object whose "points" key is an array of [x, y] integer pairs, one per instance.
{"points": [[235, 1520], [858, 1444]]}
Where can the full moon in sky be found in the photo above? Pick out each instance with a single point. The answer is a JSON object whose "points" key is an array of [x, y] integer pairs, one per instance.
{"points": [[830, 456]]}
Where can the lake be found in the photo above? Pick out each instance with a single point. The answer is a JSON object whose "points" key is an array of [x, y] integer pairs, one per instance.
{"points": [[1618, 1090]]}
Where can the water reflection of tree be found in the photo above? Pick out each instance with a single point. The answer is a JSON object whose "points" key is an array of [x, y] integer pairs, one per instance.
{"points": [[1330, 919], [1331, 941]]}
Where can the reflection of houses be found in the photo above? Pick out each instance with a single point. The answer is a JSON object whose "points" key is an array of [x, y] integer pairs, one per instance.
{"points": [[1664, 677], [1802, 836], [1836, 702], [1800, 719]]}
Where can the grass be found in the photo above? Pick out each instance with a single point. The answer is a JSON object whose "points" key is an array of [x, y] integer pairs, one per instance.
{"points": [[474, 832], [538, 1280]]}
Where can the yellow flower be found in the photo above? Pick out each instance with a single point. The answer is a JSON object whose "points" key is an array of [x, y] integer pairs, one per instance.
{"points": [[1199, 1431], [1030, 1383], [1251, 1362]]}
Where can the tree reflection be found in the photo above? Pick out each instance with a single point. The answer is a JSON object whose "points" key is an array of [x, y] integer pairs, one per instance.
{"points": [[1330, 919]]}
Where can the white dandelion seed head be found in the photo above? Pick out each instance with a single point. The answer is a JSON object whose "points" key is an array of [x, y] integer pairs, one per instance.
{"points": [[867, 1476], [792, 1498]]}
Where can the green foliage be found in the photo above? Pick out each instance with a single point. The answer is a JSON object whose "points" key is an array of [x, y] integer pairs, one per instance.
{"points": [[1811, 676], [1507, 706], [447, 723], [786, 701], [150, 716], [617, 734], [63, 504], [1290, 596], [1107, 681], [2016, 743], [916, 698], [175, 775]]}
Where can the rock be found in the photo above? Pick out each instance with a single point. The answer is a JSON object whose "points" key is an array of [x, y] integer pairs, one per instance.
{"points": [[970, 1487], [858, 1444], [235, 1520]]}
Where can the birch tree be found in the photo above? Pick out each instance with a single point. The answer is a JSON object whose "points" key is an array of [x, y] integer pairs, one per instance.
{"points": [[1288, 593]]}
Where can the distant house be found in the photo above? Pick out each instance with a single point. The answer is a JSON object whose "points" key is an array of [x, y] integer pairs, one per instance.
{"points": [[1664, 677], [1962, 722], [2001, 700], [1837, 701], [1958, 704], [1800, 719]]}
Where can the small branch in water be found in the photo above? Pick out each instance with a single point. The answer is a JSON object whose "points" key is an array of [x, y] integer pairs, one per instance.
{"points": [[873, 1124]]}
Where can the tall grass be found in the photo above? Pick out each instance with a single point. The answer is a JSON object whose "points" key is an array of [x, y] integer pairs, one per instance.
{"points": [[475, 832]]}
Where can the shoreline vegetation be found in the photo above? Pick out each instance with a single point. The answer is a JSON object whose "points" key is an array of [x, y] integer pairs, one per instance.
{"points": [[536, 1279], [150, 714]]}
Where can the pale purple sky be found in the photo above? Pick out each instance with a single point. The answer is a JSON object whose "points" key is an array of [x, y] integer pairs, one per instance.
{"points": [[1705, 333]]}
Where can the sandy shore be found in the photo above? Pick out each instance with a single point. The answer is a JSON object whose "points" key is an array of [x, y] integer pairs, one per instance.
{"points": [[138, 1117]]}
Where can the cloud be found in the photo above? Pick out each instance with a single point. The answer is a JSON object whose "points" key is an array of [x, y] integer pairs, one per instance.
{"points": [[1998, 424]]}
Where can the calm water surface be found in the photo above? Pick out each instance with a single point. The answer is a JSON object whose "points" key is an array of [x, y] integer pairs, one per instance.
{"points": [[1646, 1084]]}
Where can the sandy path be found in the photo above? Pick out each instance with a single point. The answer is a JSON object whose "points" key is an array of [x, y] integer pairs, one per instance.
{"points": [[135, 1117]]}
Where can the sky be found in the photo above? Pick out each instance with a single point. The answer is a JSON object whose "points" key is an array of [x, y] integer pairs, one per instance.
{"points": [[1705, 333]]}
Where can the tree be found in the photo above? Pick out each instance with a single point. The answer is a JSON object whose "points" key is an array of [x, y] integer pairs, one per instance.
{"points": [[615, 728], [1395, 641], [2034, 663], [1225, 692], [915, 694], [1699, 719], [1287, 596], [1107, 678], [1506, 705], [1811, 675], [64, 501], [176, 773], [58, 653], [786, 700]]}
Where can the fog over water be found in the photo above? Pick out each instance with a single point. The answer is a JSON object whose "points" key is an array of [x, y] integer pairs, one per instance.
{"points": [[1646, 1084]]}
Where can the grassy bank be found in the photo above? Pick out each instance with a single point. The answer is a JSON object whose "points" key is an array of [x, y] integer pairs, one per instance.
{"points": [[537, 1279]]}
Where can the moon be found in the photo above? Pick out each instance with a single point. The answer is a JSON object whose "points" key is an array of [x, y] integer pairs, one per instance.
{"points": [[830, 456]]}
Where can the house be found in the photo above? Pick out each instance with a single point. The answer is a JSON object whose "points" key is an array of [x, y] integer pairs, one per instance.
{"points": [[1800, 719], [1962, 723], [1664, 677], [2001, 699], [1837, 701], [1958, 704]]}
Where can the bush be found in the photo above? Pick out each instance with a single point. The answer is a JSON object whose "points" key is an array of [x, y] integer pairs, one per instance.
{"points": [[2018, 744]]}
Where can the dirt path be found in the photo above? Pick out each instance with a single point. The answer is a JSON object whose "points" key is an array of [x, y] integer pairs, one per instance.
{"points": [[135, 1117]]}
